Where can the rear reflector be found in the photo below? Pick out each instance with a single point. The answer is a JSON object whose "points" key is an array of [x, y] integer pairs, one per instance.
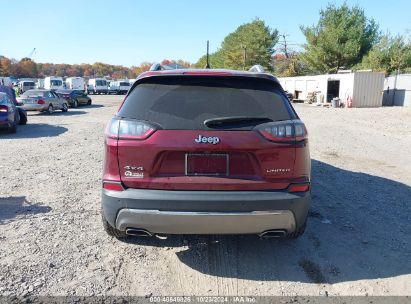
{"points": [[298, 188], [113, 186]]}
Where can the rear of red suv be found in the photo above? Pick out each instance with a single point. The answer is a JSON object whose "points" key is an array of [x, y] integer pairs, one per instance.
{"points": [[206, 152]]}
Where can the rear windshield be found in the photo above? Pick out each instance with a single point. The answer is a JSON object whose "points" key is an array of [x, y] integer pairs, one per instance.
{"points": [[186, 102], [101, 83], [56, 82], [33, 93], [28, 84]]}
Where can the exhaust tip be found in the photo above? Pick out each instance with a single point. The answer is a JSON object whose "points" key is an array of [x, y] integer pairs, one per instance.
{"points": [[138, 232], [269, 234]]}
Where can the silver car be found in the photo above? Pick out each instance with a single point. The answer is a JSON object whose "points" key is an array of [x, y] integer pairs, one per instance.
{"points": [[43, 101]]}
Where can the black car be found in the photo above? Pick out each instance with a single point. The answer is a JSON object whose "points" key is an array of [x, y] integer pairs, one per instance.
{"points": [[74, 97]]}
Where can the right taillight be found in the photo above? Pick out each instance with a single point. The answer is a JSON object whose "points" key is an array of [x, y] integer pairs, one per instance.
{"points": [[129, 129], [4, 109], [289, 130], [41, 102]]}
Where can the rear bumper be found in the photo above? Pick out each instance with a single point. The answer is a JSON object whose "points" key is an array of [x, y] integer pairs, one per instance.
{"points": [[35, 107], [205, 212]]}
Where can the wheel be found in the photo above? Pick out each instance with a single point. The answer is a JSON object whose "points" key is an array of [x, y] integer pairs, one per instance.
{"points": [[50, 109], [111, 230], [89, 102], [64, 108], [75, 103]]}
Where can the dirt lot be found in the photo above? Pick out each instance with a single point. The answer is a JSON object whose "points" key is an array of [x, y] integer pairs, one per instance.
{"points": [[357, 243]]}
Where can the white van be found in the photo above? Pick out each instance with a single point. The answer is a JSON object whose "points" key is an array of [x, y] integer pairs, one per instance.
{"points": [[97, 86], [6, 81], [26, 85], [75, 83], [53, 83], [119, 87]]}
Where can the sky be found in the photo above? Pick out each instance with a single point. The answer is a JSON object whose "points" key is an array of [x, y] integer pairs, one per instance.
{"points": [[127, 32]]}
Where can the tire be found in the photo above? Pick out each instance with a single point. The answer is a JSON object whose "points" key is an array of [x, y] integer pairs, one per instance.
{"points": [[64, 108], [111, 230], [23, 120], [75, 103], [89, 102], [50, 109]]}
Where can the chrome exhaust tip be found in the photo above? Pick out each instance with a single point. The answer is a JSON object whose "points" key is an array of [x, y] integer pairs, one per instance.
{"points": [[269, 234], [138, 232]]}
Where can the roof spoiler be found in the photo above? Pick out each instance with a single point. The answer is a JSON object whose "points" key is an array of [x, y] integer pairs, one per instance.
{"points": [[257, 69]]}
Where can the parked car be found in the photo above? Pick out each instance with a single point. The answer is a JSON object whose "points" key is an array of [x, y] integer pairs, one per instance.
{"points": [[206, 152], [42, 101], [97, 86], [12, 95], [74, 97], [9, 114], [53, 83], [26, 85]]}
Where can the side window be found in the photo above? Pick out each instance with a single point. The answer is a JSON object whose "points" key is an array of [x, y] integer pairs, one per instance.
{"points": [[49, 95], [54, 95]]}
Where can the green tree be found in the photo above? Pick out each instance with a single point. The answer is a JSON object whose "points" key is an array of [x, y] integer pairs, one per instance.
{"points": [[340, 39], [251, 43], [389, 55]]}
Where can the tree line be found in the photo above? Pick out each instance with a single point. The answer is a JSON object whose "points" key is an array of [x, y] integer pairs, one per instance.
{"points": [[343, 38]]}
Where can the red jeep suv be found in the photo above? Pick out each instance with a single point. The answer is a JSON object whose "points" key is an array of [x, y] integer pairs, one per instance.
{"points": [[206, 152]]}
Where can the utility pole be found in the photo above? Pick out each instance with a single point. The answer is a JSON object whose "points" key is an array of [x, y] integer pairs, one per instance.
{"points": [[245, 57], [285, 44]]}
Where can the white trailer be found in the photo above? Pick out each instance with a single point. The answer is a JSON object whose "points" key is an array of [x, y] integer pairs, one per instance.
{"points": [[362, 88], [53, 83], [75, 83]]}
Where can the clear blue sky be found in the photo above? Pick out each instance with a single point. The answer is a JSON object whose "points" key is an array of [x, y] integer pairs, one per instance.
{"points": [[128, 32]]}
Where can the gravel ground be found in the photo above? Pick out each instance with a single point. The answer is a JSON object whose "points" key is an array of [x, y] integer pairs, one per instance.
{"points": [[357, 242]]}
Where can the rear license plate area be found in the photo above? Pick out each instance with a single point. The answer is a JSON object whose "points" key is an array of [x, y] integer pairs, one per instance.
{"points": [[203, 164]]}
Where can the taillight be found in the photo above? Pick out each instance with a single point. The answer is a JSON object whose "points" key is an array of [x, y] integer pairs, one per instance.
{"points": [[4, 109], [128, 129], [289, 130], [41, 101], [113, 186], [298, 188]]}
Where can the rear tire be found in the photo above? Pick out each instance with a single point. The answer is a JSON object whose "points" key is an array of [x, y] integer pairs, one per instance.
{"points": [[23, 120], [75, 103], [89, 103], [64, 108], [111, 230], [50, 109]]}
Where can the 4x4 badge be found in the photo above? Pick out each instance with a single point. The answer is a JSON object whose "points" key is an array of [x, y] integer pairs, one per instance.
{"points": [[210, 140]]}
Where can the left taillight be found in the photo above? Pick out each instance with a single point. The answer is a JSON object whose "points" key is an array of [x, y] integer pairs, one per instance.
{"points": [[290, 130], [128, 129], [4, 109]]}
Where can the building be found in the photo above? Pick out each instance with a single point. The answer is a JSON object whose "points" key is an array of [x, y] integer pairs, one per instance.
{"points": [[397, 90], [364, 88]]}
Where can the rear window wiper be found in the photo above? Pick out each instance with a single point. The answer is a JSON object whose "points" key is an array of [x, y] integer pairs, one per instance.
{"points": [[218, 121]]}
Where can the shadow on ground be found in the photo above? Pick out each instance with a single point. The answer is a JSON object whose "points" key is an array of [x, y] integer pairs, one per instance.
{"points": [[15, 206], [358, 228], [34, 131]]}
